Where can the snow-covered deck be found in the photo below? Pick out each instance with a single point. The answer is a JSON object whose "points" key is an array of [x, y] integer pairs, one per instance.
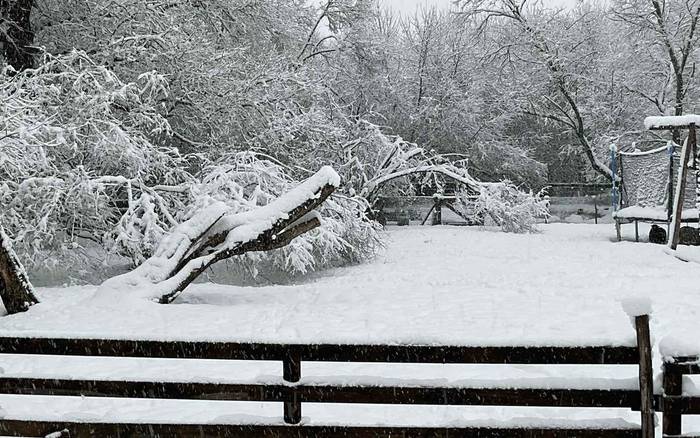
{"points": [[433, 285]]}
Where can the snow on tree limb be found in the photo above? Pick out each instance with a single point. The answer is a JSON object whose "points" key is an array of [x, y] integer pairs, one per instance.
{"points": [[215, 234], [406, 159]]}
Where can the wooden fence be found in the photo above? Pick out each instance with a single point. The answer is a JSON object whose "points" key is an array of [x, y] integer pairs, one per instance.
{"points": [[293, 394], [673, 401]]}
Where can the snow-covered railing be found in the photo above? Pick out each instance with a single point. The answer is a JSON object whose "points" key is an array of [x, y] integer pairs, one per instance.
{"points": [[671, 122], [293, 391]]}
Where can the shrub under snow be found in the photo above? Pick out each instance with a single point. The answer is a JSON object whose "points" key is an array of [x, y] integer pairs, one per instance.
{"points": [[512, 209]]}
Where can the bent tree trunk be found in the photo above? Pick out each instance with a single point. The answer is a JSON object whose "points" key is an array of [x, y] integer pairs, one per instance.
{"points": [[15, 289], [215, 233]]}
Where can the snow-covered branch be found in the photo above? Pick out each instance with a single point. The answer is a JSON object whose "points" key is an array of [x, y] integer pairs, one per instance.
{"points": [[215, 233]]}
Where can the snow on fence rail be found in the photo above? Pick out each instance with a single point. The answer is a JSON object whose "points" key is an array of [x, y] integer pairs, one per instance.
{"points": [[293, 393]]}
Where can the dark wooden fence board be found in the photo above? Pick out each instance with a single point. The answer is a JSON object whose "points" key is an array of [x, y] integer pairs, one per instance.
{"points": [[325, 393], [591, 355], [683, 405], [34, 428]]}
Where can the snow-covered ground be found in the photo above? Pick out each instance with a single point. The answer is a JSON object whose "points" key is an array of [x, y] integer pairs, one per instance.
{"points": [[432, 285]]}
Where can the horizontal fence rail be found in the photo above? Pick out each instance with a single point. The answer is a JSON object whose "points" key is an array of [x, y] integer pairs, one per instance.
{"points": [[292, 392], [188, 430], [589, 355], [595, 398]]}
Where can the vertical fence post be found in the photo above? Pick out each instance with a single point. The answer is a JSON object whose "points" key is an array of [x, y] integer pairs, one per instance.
{"points": [[673, 386], [291, 372], [646, 378], [595, 205]]}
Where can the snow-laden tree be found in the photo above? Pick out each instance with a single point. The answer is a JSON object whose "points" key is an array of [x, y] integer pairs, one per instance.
{"points": [[76, 147], [554, 49], [101, 173], [419, 77], [663, 35]]}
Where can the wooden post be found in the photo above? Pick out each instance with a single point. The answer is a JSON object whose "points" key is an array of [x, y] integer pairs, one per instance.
{"points": [[696, 169], [429, 215], [669, 207], [636, 231], [437, 214], [673, 386], [618, 230], [291, 373], [595, 205], [677, 217], [646, 378]]}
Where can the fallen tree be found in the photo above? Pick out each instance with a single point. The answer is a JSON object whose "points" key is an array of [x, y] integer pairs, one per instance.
{"points": [[214, 234], [16, 291]]}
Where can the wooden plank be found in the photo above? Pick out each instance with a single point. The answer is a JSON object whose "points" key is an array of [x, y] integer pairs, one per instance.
{"points": [[646, 378], [291, 371], [673, 386], [682, 405], [473, 396], [685, 365], [618, 398], [41, 428], [591, 355]]}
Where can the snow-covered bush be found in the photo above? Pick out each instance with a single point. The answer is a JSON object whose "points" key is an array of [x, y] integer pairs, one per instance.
{"points": [[509, 207]]}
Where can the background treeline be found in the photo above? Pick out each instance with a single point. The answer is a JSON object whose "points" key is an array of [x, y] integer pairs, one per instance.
{"points": [[119, 118]]}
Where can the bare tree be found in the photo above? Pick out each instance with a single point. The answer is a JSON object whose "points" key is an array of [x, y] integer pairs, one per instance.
{"points": [[671, 26], [16, 35], [563, 107]]}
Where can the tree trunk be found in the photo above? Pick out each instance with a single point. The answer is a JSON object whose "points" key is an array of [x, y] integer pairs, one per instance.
{"points": [[15, 288], [17, 38]]}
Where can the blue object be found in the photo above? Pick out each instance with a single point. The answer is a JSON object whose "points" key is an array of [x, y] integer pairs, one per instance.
{"points": [[613, 169]]}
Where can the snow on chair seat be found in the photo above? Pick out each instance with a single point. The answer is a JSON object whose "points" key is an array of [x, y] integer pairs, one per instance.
{"points": [[293, 392]]}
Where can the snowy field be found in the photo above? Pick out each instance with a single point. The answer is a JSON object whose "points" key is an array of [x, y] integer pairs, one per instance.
{"points": [[432, 285]]}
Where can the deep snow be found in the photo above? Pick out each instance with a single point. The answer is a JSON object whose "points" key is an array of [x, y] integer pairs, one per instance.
{"points": [[437, 285]]}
